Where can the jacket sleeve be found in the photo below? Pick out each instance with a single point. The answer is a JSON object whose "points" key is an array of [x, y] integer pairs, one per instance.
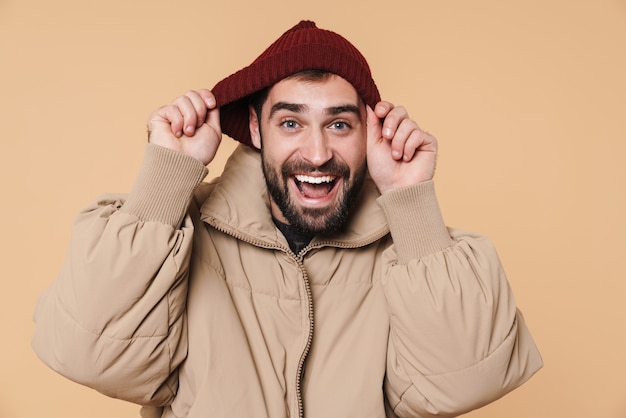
{"points": [[114, 319], [457, 340]]}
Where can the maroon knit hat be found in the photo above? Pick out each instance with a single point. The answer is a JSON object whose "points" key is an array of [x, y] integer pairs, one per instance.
{"points": [[303, 47]]}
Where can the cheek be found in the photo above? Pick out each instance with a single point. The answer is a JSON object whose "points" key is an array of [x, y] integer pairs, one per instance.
{"points": [[354, 154], [275, 154]]}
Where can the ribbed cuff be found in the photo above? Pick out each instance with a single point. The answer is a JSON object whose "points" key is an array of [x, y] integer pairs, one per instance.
{"points": [[164, 186], [415, 221]]}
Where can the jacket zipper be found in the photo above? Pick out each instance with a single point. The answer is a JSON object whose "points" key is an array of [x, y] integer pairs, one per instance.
{"points": [[307, 347]]}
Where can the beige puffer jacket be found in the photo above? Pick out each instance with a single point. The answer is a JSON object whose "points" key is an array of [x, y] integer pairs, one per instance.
{"points": [[195, 306]]}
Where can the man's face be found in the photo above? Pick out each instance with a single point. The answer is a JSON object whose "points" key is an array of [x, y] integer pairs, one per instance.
{"points": [[313, 147]]}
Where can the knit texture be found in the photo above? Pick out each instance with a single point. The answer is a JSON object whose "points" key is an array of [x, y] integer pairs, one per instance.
{"points": [[159, 196], [303, 47], [415, 221]]}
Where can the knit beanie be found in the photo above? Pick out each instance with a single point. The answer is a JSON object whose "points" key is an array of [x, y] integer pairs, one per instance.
{"points": [[303, 47]]}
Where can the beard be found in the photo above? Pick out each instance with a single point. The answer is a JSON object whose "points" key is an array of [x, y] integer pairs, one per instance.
{"points": [[314, 221]]}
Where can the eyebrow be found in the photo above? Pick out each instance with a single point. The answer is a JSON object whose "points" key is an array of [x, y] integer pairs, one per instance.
{"points": [[299, 108], [348, 108], [292, 107]]}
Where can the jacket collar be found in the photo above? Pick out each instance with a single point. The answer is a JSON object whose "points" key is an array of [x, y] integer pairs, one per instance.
{"points": [[238, 204]]}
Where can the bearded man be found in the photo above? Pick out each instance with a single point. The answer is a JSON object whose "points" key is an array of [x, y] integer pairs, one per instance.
{"points": [[314, 277]]}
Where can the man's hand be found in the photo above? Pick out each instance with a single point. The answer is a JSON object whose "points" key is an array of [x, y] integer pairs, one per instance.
{"points": [[190, 125], [399, 153]]}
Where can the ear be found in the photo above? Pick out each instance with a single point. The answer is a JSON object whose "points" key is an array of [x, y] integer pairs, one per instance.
{"points": [[255, 130]]}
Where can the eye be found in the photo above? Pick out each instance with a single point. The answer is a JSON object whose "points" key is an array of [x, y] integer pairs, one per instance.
{"points": [[289, 124], [340, 125]]}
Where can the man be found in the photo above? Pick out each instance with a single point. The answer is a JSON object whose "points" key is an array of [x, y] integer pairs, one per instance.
{"points": [[315, 277]]}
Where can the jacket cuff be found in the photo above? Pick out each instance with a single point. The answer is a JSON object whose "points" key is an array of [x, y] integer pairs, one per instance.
{"points": [[164, 186], [415, 221]]}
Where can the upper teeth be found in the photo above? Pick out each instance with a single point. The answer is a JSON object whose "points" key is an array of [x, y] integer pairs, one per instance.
{"points": [[314, 180]]}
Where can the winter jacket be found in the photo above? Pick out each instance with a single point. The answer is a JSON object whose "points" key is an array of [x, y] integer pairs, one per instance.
{"points": [[185, 298]]}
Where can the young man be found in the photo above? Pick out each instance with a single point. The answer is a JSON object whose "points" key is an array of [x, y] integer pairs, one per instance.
{"points": [[315, 277]]}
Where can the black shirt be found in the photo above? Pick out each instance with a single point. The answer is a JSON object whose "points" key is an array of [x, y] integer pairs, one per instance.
{"points": [[297, 239]]}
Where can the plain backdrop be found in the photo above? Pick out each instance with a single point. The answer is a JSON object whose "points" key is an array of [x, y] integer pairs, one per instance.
{"points": [[527, 99]]}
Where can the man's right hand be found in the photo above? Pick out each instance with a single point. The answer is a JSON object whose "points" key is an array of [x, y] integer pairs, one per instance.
{"points": [[189, 125]]}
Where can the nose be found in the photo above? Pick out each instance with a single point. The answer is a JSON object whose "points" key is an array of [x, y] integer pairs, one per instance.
{"points": [[316, 148]]}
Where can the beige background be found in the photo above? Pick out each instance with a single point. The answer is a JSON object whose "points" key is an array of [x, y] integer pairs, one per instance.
{"points": [[528, 100]]}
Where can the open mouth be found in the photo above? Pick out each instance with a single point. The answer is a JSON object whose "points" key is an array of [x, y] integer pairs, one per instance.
{"points": [[315, 187]]}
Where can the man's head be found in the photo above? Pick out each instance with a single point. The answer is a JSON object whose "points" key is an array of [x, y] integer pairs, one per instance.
{"points": [[308, 92]]}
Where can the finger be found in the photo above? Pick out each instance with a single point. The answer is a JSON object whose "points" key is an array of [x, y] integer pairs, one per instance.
{"points": [[382, 108], [208, 97], [419, 141], [412, 144], [188, 111], [170, 115], [394, 118], [404, 138], [199, 105]]}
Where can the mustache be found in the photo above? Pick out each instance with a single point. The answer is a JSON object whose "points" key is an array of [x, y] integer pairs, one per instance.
{"points": [[331, 167]]}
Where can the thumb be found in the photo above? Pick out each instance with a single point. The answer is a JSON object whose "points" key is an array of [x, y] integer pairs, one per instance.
{"points": [[213, 120], [374, 127]]}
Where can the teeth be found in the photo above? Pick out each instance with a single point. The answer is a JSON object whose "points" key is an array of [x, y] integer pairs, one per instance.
{"points": [[315, 180]]}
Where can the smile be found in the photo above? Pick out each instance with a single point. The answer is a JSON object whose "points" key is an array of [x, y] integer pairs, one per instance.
{"points": [[315, 187], [315, 180]]}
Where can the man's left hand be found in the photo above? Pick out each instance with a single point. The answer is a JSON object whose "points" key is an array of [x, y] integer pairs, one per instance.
{"points": [[399, 153]]}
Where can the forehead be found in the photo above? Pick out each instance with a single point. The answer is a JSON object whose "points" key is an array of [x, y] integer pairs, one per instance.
{"points": [[331, 91]]}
